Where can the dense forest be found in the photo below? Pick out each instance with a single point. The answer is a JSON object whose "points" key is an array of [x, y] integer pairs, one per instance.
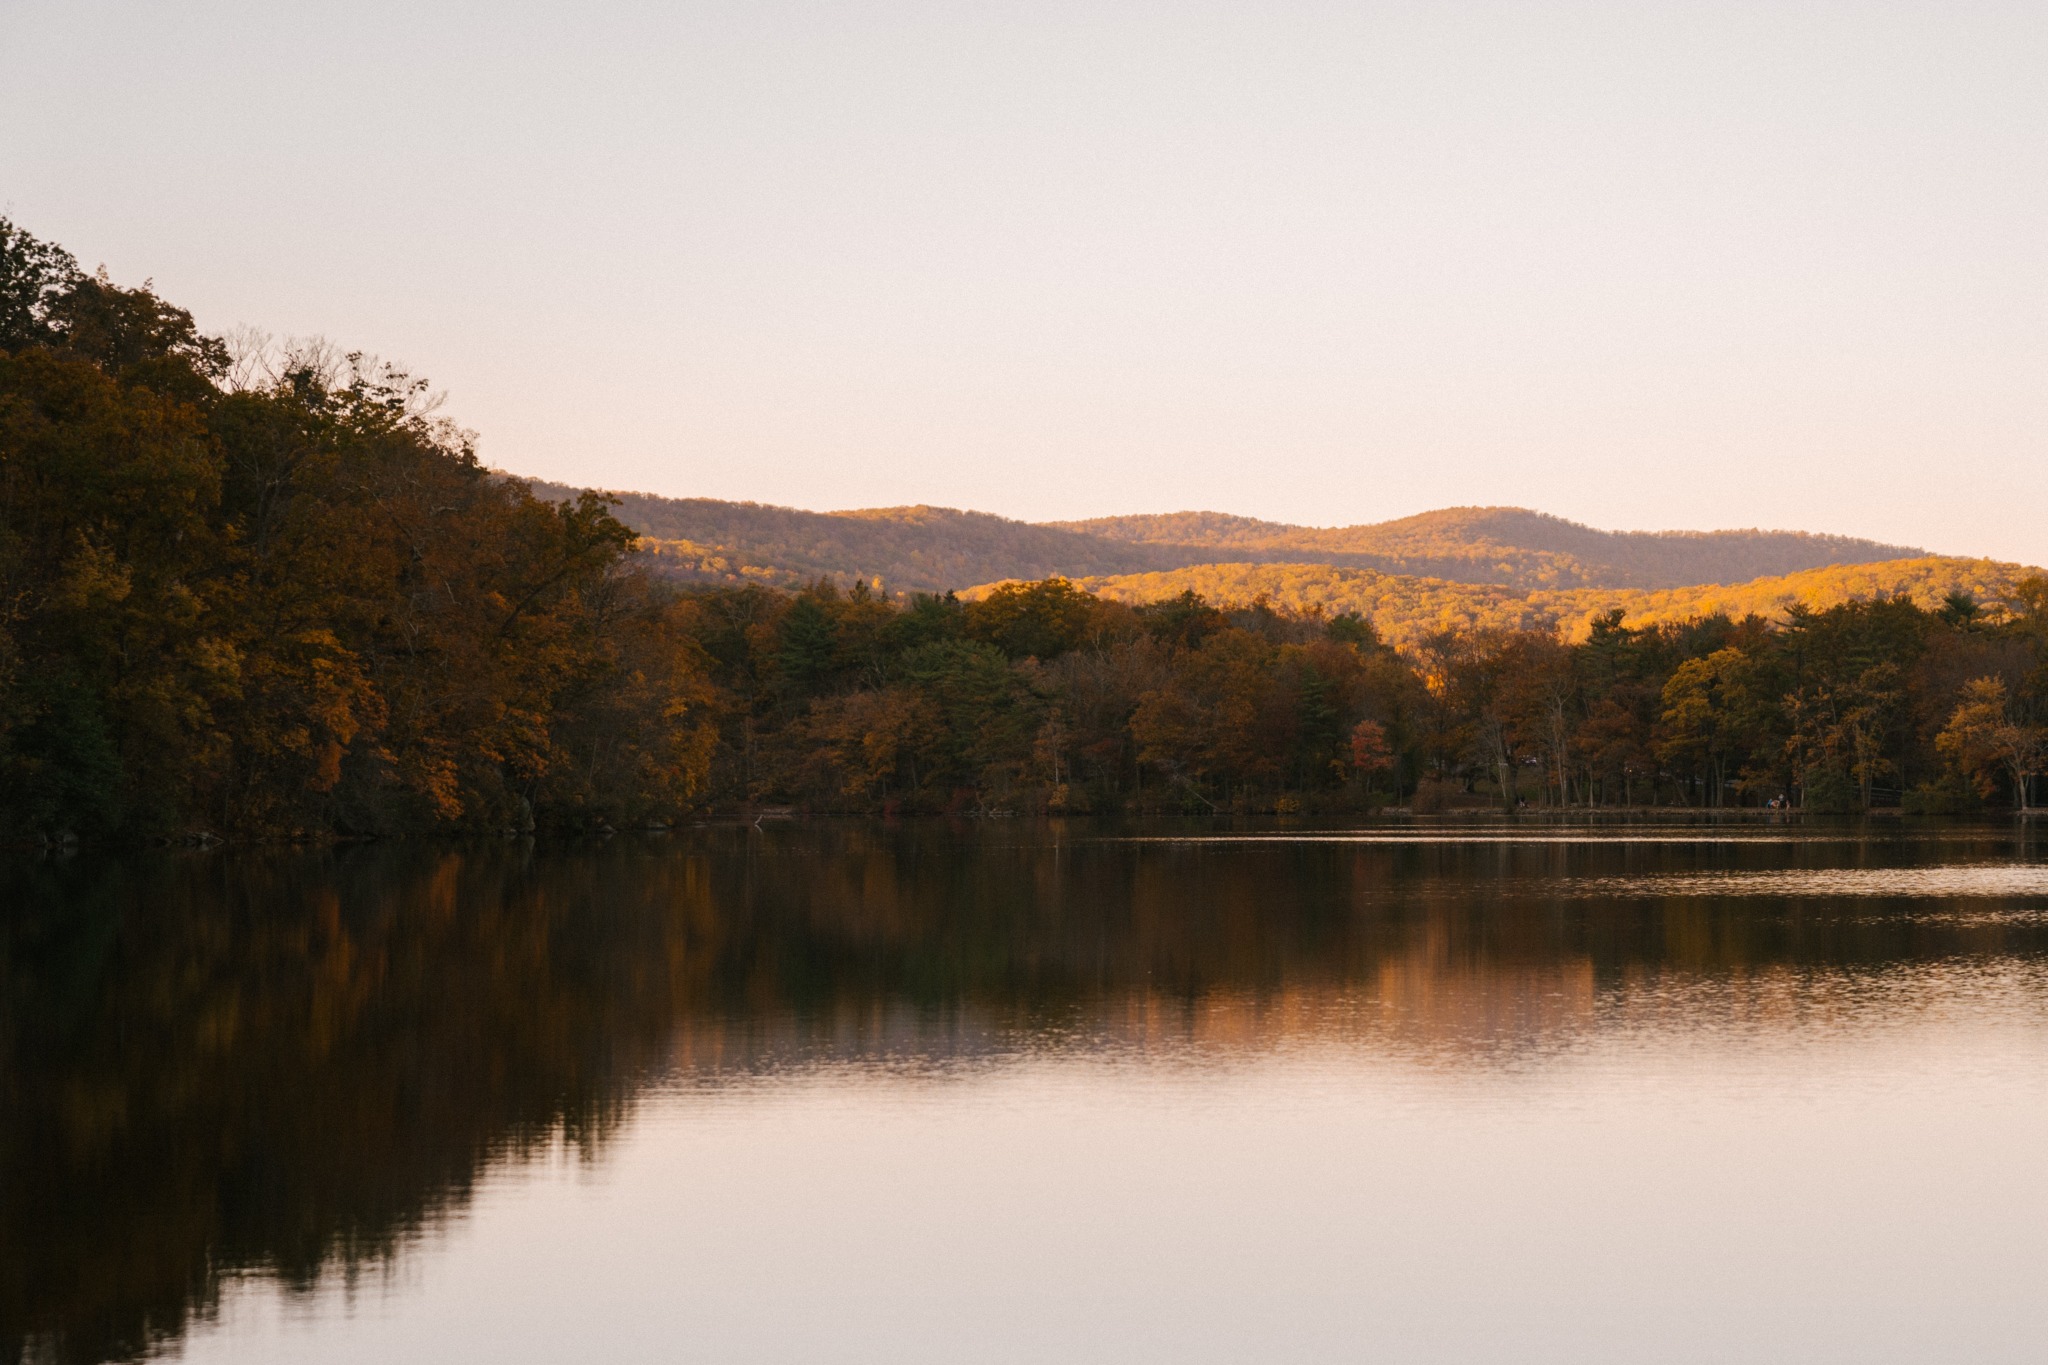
{"points": [[1044, 697], [931, 549], [274, 595]]}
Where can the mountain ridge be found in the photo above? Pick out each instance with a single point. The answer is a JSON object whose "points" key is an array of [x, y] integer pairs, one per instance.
{"points": [[1512, 545], [921, 548]]}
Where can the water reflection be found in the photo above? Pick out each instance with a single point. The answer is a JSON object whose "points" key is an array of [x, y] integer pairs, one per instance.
{"points": [[2004, 880], [298, 1064]]}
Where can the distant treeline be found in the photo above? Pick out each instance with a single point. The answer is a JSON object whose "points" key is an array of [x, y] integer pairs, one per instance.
{"points": [[274, 595]]}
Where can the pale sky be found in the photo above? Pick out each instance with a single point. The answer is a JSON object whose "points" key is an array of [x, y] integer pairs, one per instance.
{"points": [[1642, 265]]}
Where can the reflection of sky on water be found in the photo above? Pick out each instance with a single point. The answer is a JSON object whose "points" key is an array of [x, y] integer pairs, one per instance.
{"points": [[1482, 839], [1491, 838], [1649, 1192], [1984, 879]]}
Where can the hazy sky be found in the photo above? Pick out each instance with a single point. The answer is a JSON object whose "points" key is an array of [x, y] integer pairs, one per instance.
{"points": [[1643, 265]]}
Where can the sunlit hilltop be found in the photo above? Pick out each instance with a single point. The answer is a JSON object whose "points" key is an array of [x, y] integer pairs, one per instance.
{"points": [[1462, 567]]}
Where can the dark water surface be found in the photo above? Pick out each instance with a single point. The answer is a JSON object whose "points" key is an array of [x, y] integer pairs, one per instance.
{"points": [[1023, 1092]]}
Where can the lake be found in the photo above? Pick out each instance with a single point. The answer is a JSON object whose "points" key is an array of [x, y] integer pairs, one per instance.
{"points": [[1021, 1091]]}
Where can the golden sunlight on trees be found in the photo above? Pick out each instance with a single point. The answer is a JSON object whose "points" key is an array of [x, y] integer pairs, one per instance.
{"points": [[1984, 741], [1405, 608]]}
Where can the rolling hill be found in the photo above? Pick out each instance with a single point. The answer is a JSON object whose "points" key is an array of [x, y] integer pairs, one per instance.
{"points": [[1461, 567], [911, 549], [1505, 545], [932, 549]]}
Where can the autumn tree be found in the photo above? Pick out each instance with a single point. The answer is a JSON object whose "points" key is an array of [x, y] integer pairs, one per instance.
{"points": [[1984, 741]]}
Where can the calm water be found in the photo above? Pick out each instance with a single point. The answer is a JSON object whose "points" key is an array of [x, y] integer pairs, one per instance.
{"points": [[1033, 1093]]}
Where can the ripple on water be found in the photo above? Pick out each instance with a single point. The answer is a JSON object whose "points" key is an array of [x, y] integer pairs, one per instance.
{"points": [[2000, 880]]}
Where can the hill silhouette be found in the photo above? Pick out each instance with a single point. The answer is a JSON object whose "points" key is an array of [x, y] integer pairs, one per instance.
{"points": [[1510, 546], [911, 549], [934, 549]]}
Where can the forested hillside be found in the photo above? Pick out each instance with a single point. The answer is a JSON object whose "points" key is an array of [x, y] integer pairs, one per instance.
{"points": [[1405, 610], [909, 549], [933, 549], [1506, 545]]}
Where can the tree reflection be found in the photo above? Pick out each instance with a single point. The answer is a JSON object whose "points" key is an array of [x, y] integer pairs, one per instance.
{"points": [[294, 1064]]}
